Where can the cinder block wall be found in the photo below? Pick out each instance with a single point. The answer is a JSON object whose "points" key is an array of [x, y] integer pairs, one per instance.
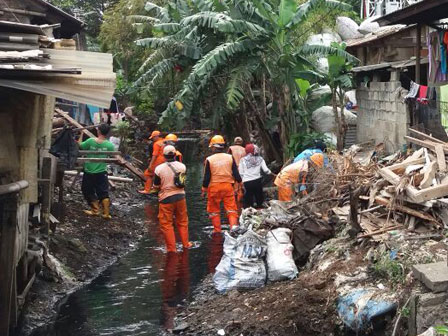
{"points": [[382, 115]]}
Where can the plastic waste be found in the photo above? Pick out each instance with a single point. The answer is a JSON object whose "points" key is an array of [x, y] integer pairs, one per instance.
{"points": [[242, 265], [358, 308], [347, 28], [279, 258]]}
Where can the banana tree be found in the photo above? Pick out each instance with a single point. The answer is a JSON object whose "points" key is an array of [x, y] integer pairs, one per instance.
{"points": [[340, 80], [238, 43]]}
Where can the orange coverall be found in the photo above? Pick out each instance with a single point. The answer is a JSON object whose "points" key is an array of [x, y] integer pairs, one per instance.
{"points": [[220, 174], [289, 177], [157, 153], [238, 152], [172, 204]]}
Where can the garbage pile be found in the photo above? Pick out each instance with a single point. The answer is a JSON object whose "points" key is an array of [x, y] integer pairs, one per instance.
{"points": [[364, 194]]}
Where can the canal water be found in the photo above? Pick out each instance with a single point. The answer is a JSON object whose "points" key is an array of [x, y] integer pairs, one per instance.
{"points": [[140, 294]]}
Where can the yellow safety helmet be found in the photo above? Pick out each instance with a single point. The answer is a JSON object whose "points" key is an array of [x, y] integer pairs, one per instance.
{"points": [[217, 141], [171, 137], [317, 159]]}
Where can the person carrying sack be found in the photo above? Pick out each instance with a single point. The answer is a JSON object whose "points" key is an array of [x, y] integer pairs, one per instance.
{"points": [[169, 179]]}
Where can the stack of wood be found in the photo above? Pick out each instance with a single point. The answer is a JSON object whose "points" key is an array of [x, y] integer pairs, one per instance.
{"points": [[406, 193]]}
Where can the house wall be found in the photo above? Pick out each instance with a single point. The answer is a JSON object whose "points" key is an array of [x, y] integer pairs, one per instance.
{"points": [[382, 115]]}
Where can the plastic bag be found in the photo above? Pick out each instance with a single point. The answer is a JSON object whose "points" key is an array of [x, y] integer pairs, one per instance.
{"points": [[65, 148], [279, 259], [242, 264], [347, 28]]}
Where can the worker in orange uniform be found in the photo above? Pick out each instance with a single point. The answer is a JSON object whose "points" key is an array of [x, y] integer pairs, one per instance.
{"points": [[296, 174], [168, 180], [220, 174], [157, 158], [171, 139], [238, 152]]}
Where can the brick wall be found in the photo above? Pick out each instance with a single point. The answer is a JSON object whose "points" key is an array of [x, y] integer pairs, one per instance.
{"points": [[382, 114]]}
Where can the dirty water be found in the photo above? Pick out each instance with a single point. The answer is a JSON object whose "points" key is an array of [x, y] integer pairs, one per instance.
{"points": [[140, 294]]}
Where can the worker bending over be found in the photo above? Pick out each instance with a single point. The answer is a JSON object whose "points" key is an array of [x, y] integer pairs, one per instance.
{"points": [[157, 158], [95, 185], [221, 172], [238, 152], [318, 147], [296, 175], [169, 179], [171, 139]]}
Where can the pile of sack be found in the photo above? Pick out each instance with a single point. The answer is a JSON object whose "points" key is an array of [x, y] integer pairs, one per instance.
{"points": [[250, 259], [265, 246]]}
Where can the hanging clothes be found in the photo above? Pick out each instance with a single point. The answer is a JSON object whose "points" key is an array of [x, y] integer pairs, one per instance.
{"points": [[434, 54], [413, 91], [444, 105], [423, 94]]}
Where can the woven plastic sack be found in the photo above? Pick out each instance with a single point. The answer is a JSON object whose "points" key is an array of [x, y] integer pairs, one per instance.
{"points": [[279, 258], [369, 26], [242, 265], [347, 28]]}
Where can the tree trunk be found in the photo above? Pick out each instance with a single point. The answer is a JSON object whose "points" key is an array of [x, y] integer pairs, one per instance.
{"points": [[337, 121], [343, 121]]}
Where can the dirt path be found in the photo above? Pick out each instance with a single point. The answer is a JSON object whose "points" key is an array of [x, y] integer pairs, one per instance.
{"points": [[85, 246]]}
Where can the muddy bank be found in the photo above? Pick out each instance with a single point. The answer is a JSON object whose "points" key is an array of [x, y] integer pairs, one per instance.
{"points": [[308, 305], [84, 246]]}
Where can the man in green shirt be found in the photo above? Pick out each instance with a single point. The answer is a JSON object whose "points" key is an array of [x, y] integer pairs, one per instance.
{"points": [[95, 186]]}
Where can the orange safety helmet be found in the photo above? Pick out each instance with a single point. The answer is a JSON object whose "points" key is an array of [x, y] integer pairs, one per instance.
{"points": [[317, 159], [154, 134], [171, 137], [217, 141]]}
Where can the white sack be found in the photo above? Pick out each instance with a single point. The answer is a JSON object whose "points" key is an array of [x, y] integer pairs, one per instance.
{"points": [[322, 119], [242, 264], [324, 39], [351, 96], [279, 258], [368, 26], [347, 28]]}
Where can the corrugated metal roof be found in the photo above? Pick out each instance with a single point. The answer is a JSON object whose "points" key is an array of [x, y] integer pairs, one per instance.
{"points": [[395, 65], [381, 33]]}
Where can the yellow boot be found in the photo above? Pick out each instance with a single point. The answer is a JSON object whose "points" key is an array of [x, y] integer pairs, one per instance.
{"points": [[95, 209], [106, 208]]}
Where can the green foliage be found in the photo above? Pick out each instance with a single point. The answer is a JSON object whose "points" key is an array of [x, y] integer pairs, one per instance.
{"points": [[442, 330], [301, 141], [389, 269], [123, 130], [231, 44]]}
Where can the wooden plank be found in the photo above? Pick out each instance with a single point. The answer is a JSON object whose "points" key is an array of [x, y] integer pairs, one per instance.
{"points": [[431, 193], [98, 160], [46, 195], [440, 158], [405, 209], [425, 143], [430, 173], [394, 227], [416, 155], [427, 136], [8, 213], [137, 172], [87, 152]]}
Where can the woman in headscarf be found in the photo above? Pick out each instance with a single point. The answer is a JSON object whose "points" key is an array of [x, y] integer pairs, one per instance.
{"points": [[250, 168]]}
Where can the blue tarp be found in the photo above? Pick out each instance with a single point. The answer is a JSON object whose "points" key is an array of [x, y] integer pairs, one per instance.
{"points": [[357, 309]]}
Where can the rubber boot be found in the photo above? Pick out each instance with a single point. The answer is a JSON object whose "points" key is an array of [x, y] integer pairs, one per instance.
{"points": [[183, 233], [233, 221], [216, 221], [148, 186], [94, 209], [106, 208]]}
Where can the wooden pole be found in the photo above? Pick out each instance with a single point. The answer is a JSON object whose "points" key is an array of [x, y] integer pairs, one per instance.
{"points": [[46, 195], [8, 213], [418, 57]]}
